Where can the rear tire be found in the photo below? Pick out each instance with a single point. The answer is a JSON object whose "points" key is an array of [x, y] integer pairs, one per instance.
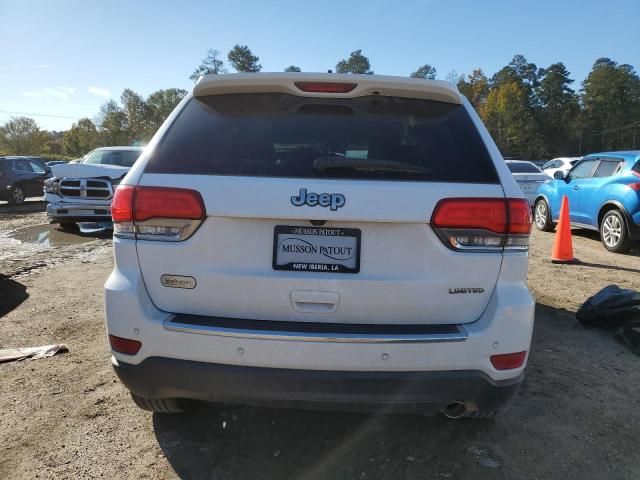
{"points": [[614, 234], [160, 405], [16, 196], [541, 216]]}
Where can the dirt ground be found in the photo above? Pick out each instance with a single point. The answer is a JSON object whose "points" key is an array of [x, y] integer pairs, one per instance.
{"points": [[576, 416]]}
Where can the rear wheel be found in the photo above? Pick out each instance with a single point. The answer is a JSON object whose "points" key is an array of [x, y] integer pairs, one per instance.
{"points": [[541, 216], [613, 232], [160, 405], [16, 195]]}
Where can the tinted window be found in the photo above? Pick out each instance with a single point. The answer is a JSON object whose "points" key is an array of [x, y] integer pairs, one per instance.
{"points": [[636, 167], [582, 169], [21, 165], [122, 158], [38, 168], [606, 168], [522, 167], [282, 135], [551, 164]]}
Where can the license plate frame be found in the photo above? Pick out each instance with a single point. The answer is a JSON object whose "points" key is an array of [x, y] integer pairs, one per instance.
{"points": [[330, 265]]}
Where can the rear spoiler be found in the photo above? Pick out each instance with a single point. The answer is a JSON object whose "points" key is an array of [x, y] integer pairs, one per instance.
{"points": [[361, 85]]}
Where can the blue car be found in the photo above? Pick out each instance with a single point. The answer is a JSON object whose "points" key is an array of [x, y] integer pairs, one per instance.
{"points": [[604, 195]]}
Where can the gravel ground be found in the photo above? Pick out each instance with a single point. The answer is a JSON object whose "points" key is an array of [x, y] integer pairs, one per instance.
{"points": [[67, 416]]}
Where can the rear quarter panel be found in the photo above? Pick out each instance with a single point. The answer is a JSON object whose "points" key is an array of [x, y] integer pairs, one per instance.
{"points": [[629, 198]]}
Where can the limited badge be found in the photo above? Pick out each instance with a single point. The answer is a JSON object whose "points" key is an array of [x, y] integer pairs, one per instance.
{"points": [[454, 291], [178, 281]]}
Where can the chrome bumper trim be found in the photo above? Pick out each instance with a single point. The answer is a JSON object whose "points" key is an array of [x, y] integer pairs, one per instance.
{"points": [[459, 335], [75, 209]]}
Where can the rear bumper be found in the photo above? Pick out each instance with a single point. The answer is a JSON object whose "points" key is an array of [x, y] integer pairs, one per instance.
{"points": [[419, 392], [66, 212]]}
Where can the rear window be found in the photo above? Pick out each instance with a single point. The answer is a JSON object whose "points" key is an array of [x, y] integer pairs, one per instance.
{"points": [[280, 135], [522, 167], [606, 168], [121, 158]]}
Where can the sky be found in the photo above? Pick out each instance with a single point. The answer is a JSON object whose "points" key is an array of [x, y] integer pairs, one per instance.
{"points": [[62, 59]]}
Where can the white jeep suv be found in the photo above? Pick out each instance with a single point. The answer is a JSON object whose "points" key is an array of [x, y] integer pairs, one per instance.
{"points": [[321, 240]]}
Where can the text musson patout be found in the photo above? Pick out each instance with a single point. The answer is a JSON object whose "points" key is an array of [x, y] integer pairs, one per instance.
{"points": [[322, 249]]}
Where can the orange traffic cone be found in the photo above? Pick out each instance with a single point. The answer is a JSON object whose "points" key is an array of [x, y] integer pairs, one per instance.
{"points": [[563, 245]]}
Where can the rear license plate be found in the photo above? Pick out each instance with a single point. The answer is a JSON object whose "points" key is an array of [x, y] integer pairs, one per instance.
{"points": [[316, 249]]}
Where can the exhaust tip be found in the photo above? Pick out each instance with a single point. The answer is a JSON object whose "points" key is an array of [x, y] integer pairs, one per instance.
{"points": [[455, 410]]}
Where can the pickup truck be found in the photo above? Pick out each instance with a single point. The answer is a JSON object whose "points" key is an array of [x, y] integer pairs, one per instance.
{"points": [[82, 192]]}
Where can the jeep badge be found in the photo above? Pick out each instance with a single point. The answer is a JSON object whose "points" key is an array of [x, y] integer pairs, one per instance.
{"points": [[332, 200]]}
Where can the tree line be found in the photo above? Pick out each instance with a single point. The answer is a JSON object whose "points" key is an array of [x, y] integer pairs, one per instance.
{"points": [[531, 112]]}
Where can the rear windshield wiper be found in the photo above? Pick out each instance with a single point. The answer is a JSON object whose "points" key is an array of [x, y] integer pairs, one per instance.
{"points": [[367, 164]]}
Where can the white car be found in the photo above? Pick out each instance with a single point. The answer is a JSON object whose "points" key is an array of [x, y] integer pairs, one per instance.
{"points": [[529, 178], [317, 240], [560, 164], [82, 192]]}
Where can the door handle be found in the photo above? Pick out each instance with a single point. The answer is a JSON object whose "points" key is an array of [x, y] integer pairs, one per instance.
{"points": [[576, 187]]}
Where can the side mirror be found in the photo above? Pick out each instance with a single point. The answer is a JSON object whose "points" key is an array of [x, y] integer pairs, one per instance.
{"points": [[559, 175]]}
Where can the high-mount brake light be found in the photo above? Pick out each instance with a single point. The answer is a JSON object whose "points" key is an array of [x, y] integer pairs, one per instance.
{"points": [[483, 224], [326, 87], [156, 213]]}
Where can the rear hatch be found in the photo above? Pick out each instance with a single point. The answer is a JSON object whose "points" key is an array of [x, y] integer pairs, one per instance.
{"points": [[318, 209], [528, 176]]}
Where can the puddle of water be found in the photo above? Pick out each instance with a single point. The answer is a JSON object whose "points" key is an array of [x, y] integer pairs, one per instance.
{"points": [[50, 236]]}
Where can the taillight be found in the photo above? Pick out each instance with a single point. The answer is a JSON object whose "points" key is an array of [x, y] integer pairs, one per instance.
{"points": [[635, 186], [122, 204], [160, 202], [124, 345], [508, 361], [519, 228], [326, 87], [156, 213], [483, 224]]}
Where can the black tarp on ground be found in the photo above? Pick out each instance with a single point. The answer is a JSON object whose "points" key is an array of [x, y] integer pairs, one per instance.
{"points": [[616, 309]]}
